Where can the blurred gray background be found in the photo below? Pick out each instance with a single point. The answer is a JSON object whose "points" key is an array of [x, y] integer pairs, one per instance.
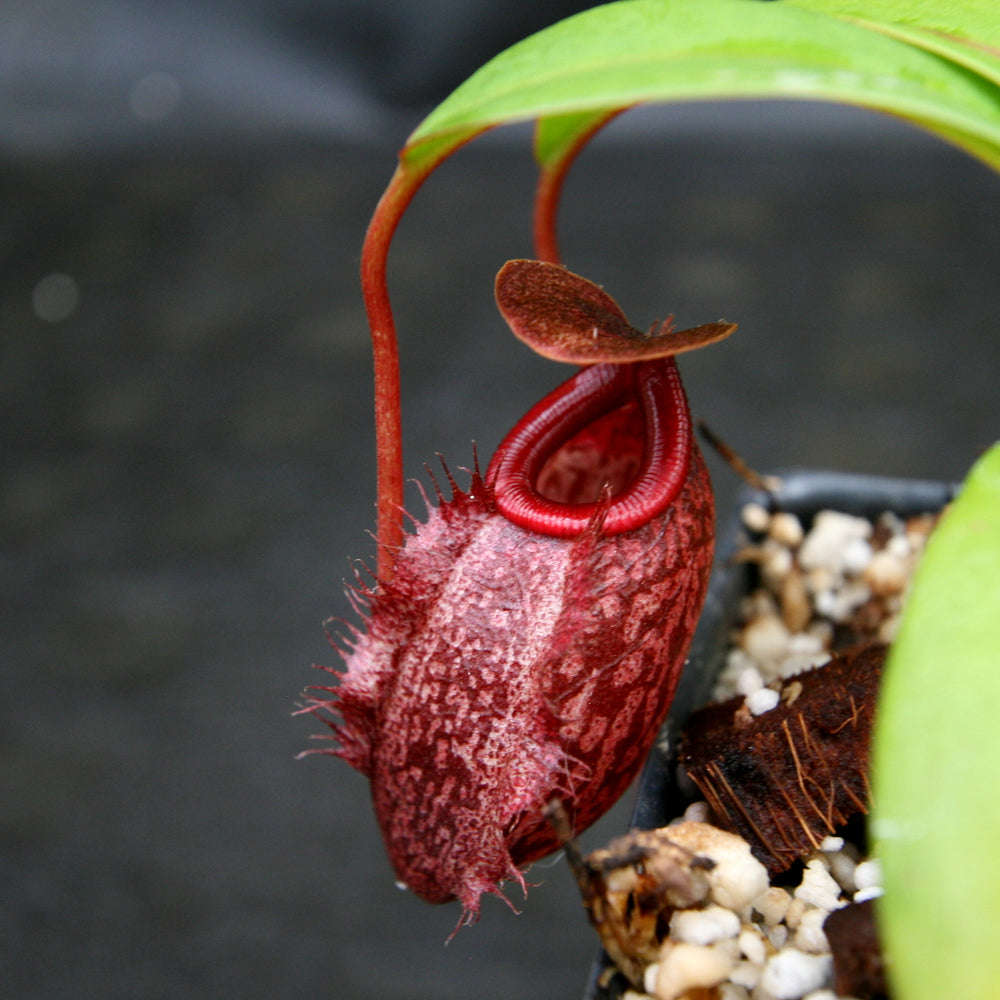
{"points": [[187, 461]]}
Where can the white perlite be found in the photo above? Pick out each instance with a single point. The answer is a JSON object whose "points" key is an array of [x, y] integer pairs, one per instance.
{"points": [[684, 966], [785, 529], [791, 974], [818, 888], [868, 874], [755, 517], [772, 904], [829, 544], [707, 926], [762, 700], [737, 878]]}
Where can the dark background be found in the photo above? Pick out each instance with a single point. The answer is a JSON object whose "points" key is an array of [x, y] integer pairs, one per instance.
{"points": [[187, 444]]}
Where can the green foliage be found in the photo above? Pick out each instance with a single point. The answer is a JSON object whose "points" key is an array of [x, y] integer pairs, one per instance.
{"points": [[889, 56], [937, 759]]}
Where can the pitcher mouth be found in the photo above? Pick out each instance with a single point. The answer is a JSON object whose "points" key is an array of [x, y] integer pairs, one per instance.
{"points": [[611, 443]]}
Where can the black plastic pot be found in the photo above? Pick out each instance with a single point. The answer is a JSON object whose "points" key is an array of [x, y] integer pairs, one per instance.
{"points": [[804, 493]]}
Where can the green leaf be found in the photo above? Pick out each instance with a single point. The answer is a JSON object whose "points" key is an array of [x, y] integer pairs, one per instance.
{"points": [[966, 32], [561, 132], [638, 51], [936, 759], [972, 21]]}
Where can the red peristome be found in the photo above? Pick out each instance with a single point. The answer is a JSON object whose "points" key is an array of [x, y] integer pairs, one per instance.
{"points": [[627, 425], [507, 663]]}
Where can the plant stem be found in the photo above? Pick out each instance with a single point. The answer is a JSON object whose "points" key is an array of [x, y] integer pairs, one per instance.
{"points": [[549, 190], [385, 351], [409, 175]]}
